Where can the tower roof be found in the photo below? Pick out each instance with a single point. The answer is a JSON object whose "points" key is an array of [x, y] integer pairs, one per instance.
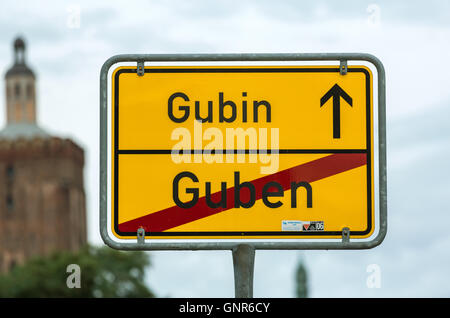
{"points": [[19, 43], [19, 67], [22, 130]]}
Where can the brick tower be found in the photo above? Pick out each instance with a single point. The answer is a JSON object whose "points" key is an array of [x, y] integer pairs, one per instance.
{"points": [[42, 198]]}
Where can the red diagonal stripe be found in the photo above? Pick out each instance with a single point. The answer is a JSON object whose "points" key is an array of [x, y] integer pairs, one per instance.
{"points": [[309, 172]]}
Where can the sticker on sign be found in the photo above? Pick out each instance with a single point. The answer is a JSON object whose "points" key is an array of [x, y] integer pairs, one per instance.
{"points": [[302, 226]]}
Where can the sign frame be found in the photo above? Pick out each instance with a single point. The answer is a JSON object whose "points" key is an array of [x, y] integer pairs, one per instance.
{"points": [[342, 58]]}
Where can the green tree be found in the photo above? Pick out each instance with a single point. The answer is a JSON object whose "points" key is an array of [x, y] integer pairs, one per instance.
{"points": [[301, 279], [104, 272]]}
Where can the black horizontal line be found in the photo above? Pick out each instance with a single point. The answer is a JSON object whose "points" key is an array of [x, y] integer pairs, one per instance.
{"points": [[241, 70], [247, 233], [236, 151]]}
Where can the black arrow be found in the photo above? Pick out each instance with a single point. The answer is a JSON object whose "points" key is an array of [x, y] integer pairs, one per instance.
{"points": [[336, 92]]}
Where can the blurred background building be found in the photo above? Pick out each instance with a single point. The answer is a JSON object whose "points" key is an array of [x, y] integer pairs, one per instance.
{"points": [[42, 197]]}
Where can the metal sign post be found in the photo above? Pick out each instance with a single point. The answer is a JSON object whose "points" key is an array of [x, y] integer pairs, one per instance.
{"points": [[243, 263], [330, 105]]}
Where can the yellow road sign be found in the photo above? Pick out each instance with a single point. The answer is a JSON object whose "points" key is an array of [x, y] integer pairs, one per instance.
{"points": [[242, 152]]}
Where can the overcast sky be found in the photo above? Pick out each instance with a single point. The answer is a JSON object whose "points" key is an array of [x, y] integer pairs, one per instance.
{"points": [[411, 38]]}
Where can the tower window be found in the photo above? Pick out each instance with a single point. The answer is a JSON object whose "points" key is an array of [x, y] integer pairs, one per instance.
{"points": [[17, 90], [9, 202], [29, 91], [10, 172]]}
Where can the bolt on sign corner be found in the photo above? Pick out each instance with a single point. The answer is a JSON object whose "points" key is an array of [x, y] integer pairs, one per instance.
{"points": [[241, 152]]}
